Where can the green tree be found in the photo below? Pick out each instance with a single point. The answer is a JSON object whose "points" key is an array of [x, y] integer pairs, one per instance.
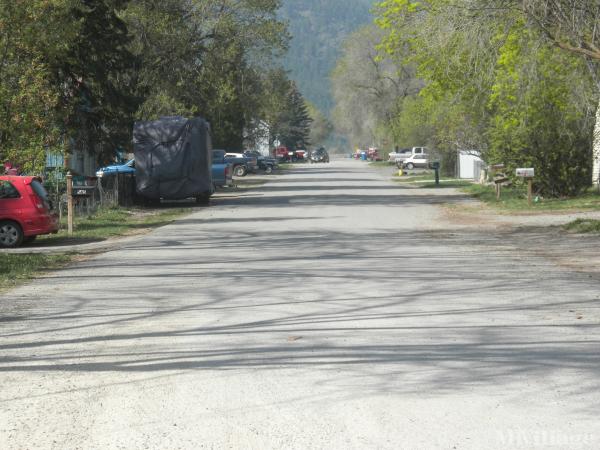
{"points": [[98, 100], [321, 127], [537, 119], [294, 129], [493, 84], [32, 33], [202, 57], [368, 89]]}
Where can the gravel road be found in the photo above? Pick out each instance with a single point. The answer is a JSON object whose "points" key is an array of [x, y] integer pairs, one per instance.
{"points": [[329, 308]]}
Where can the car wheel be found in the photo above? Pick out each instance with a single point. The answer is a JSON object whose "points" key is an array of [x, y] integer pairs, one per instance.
{"points": [[269, 170], [410, 166], [29, 239], [240, 171], [11, 234]]}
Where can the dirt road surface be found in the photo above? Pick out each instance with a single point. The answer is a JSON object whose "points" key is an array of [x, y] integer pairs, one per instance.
{"points": [[329, 308]]}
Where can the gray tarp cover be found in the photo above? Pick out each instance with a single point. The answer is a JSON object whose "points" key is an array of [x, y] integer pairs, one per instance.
{"points": [[173, 158]]}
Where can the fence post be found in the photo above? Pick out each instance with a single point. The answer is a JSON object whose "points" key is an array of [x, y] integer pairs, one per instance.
{"points": [[116, 190], [100, 191], [69, 203]]}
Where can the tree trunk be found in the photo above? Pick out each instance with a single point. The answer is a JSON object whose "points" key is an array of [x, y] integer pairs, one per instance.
{"points": [[596, 148]]}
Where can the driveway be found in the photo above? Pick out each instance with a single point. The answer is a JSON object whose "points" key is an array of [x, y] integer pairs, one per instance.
{"points": [[329, 308]]}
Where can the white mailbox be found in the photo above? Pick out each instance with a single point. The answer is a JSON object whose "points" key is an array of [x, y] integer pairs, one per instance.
{"points": [[526, 173]]}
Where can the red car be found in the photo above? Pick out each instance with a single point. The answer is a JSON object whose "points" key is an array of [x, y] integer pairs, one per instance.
{"points": [[25, 210]]}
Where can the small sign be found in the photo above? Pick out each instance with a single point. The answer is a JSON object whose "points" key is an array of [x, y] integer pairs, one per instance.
{"points": [[526, 173], [83, 191]]}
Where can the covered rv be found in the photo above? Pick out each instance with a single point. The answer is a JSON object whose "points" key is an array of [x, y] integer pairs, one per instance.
{"points": [[173, 159]]}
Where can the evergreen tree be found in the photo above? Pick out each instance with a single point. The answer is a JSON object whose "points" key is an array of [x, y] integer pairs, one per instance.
{"points": [[298, 131], [289, 120], [97, 99]]}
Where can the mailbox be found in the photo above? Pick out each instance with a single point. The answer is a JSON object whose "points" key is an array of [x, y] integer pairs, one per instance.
{"points": [[526, 173], [435, 165]]}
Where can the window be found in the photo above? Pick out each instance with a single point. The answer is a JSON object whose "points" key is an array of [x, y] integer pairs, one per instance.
{"points": [[39, 190], [7, 190]]}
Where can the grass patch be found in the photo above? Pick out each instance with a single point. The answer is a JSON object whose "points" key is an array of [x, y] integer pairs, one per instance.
{"points": [[111, 222], [583, 226], [427, 180], [18, 267], [515, 199], [452, 183]]}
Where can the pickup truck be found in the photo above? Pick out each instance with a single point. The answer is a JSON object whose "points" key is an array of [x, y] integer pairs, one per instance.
{"points": [[241, 163], [128, 167], [402, 155], [265, 164], [222, 171], [284, 154]]}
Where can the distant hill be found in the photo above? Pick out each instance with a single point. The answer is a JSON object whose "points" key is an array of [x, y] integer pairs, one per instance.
{"points": [[318, 29]]}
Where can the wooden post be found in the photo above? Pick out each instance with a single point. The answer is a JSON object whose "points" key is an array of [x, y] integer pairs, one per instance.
{"points": [[530, 192], [498, 189], [69, 203], [116, 190]]}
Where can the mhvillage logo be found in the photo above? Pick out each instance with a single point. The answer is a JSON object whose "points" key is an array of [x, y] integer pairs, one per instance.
{"points": [[544, 438]]}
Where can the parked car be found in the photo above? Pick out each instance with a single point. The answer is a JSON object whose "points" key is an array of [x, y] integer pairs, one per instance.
{"points": [[25, 210], [287, 155], [319, 155], [222, 171], [417, 161], [128, 167], [299, 155], [241, 163], [264, 164]]}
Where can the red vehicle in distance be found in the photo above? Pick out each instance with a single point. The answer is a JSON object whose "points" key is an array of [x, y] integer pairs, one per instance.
{"points": [[25, 210], [373, 154], [285, 154]]}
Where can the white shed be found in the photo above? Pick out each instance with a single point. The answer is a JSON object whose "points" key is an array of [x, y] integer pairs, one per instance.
{"points": [[470, 164]]}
